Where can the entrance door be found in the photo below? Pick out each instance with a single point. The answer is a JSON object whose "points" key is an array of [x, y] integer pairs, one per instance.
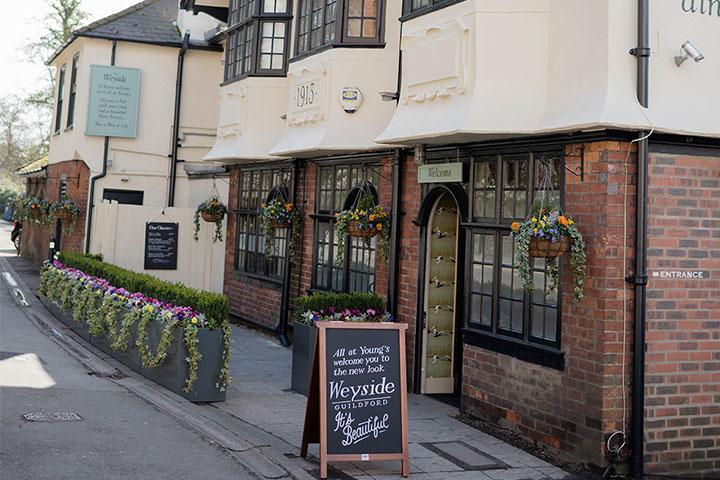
{"points": [[438, 368]]}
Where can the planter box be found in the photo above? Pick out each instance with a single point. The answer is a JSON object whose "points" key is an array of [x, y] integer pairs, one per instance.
{"points": [[304, 340], [66, 317], [174, 370], [130, 357]]}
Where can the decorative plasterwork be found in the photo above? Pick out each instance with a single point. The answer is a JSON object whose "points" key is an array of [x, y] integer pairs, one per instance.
{"points": [[233, 111], [309, 89], [438, 61]]}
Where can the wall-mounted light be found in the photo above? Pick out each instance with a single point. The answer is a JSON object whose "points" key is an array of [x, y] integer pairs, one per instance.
{"points": [[688, 50], [389, 96]]}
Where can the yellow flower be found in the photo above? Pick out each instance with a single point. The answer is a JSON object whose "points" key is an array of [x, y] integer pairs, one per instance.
{"points": [[515, 226], [150, 308], [372, 217], [570, 222], [542, 223], [194, 320], [535, 230], [379, 226], [534, 220]]}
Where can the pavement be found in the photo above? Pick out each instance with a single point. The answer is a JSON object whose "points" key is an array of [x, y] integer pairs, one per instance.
{"points": [[133, 428]]}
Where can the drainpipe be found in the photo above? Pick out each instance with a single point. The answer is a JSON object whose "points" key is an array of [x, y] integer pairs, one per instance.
{"points": [[102, 174], [176, 120], [639, 278], [395, 234], [281, 329]]}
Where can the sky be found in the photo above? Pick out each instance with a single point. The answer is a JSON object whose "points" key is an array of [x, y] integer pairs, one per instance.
{"points": [[22, 22]]}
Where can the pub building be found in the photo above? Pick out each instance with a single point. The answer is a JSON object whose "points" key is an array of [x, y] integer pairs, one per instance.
{"points": [[453, 112]]}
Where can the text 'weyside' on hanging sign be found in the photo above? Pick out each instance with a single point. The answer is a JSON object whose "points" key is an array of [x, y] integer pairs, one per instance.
{"points": [[113, 104], [358, 391]]}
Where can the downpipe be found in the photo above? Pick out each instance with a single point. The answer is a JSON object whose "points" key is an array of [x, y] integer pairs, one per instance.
{"points": [[176, 120]]}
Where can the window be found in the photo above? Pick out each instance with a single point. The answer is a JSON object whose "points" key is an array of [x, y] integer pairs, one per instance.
{"points": [[338, 22], [257, 38], [255, 187], [73, 91], [61, 95], [125, 197], [423, 6], [337, 183], [503, 189]]}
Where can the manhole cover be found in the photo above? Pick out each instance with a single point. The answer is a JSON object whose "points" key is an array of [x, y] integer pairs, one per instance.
{"points": [[465, 456], [52, 417], [116, 375]]}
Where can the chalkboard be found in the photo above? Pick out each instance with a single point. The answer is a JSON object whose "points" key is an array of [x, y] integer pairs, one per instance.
{"points": [[359, 393], [161, 246]]}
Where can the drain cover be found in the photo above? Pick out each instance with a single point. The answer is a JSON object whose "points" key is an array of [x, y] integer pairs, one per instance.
{"points": [[116, 375], [52, 417], [465, 456]]}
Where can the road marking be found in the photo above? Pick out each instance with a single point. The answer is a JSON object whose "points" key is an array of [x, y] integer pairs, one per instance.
{"points": [[9, 279]]}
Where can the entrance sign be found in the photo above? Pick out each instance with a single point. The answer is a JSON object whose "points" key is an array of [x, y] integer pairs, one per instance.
{"points": [[113, 101], [357, 403], [440, 173], [161, 246]]}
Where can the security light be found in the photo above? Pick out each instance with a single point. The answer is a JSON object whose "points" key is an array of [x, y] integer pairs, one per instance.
{"points": [[689, 51]]}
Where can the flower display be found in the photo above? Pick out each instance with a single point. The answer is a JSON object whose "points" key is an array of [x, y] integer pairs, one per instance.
{"points": [[364, 221], [212, 210], [279, 213], [66, 210], [555, 228], [346, 315]]}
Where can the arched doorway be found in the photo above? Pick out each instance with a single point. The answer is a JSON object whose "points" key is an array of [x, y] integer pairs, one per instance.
{"points": [[441, 346]]}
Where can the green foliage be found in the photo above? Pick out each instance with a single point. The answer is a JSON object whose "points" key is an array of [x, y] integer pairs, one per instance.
{"points": [[367, 217], [211, 206], [148, 359], [280, 213], [190, 335], [7, 198], [213, 305], [324, 301]]}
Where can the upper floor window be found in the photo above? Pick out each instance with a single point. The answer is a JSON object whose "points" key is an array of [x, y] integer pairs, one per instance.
{"points": [[61, 95], [336, 22], [257, 38], [255, 188], [420, 6], [73, 91], [335, 189]]}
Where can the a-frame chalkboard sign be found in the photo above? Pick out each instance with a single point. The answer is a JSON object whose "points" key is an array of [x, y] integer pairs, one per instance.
{"points": [[357, 403]]}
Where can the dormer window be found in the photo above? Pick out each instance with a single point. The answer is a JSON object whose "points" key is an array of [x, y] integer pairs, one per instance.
{"points": [[257, 38], [336, 23]]}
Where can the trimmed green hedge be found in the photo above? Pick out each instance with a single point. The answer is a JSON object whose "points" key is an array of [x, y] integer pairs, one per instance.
{"points": [[213, 305], [340, 301]]}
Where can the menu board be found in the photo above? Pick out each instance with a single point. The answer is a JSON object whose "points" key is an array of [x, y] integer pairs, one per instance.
{"points": [[161, 246], [358, 391]]}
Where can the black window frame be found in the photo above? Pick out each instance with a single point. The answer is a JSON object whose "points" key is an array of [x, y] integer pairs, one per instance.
{"points": [[73, 91], [409, 12], [124, 197], [251, 262], [338, 36], [323, 218], [246, 19], [60, 100]]}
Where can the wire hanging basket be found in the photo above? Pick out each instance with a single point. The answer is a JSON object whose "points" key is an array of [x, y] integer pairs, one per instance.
{"points": [[354, 227], [545, 247]]}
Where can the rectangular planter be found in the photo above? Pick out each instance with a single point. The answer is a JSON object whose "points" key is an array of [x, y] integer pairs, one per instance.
{"points": [[66, 317], [174, 370], [304, 338], [130, 357]]}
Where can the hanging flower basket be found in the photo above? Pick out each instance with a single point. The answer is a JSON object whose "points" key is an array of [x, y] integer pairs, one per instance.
{"points": [[212, 210], [355, 229], [35, 212], [279, 213], [63, 215], [542, 248], [280, 224]]}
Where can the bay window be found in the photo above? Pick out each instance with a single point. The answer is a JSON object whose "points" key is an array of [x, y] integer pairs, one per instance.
{"points": [[257, 38], [327, 23]]}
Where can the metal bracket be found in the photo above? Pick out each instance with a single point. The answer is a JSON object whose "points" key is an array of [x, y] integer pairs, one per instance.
{"points": [[640, 52], [637, 279], [577, 151]]}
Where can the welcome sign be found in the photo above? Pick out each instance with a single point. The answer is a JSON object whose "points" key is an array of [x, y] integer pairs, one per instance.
{"points": [[357, 404], [113, 101]]}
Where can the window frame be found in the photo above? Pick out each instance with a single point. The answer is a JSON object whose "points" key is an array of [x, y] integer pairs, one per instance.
{"points": [[409, 13], [242, 212], [254, 20], [60, 99], [321, 217], [340, 38], [70, 123]]}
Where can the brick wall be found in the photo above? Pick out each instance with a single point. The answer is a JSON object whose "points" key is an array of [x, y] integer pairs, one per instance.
{"points": [[36, 237], [570, 412], [683, 329]]}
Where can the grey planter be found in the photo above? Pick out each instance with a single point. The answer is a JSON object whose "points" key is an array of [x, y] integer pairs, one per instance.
{"points": [[130, 356], [66, 317], [304, 338], [174, 370]]}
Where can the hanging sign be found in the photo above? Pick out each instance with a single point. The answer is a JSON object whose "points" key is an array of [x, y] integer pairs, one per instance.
{"points": [[440, 173], [357, 403], [161, 246], [113, 101]]}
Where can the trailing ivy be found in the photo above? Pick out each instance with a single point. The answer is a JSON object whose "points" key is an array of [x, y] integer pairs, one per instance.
{"points": [[129, 319], [224, 377], [166, 336], [190, 335]]}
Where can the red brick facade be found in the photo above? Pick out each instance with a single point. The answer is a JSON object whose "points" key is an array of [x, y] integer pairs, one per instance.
{"points": [[36, 237], [683, 337]]}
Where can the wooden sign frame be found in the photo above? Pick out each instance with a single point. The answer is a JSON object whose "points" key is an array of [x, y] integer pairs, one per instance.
{"points": [[316, 431]]}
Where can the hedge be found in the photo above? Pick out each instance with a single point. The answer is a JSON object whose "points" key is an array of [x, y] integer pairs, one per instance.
{"points": [[318, 302], [213, 305]]}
